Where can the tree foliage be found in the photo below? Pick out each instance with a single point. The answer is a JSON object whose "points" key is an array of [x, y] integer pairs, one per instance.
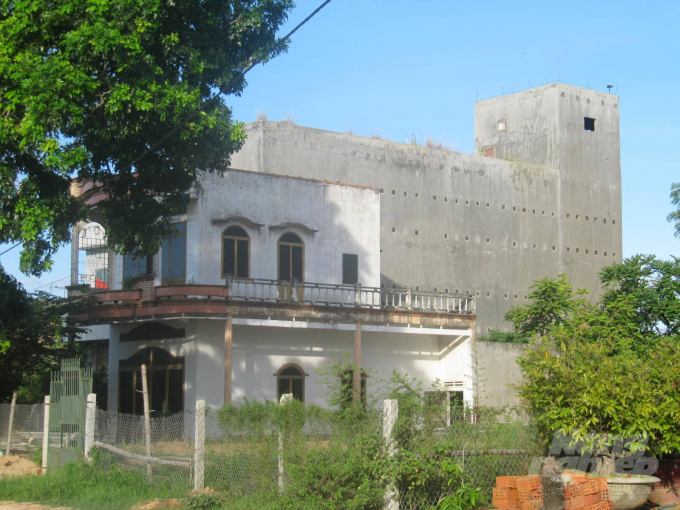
{"points": [[31, 327], [674, 217], [87, 88], [609, 367]]}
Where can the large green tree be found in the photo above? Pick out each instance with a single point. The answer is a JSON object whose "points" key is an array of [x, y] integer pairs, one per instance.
{"points": [[125, 93]]}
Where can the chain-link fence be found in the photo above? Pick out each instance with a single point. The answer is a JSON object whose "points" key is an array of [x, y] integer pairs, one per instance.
{"points": [[163, 452], [26, 428]]}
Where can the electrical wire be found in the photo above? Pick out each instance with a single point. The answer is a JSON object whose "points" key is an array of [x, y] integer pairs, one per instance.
{"points": [[8, 249], [48, 284]]}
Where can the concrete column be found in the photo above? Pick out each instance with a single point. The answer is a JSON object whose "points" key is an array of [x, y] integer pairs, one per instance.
{"points": [[90, 422], [46, 434], [199, 447], [228, 356], [74, 254], [357, 363]]}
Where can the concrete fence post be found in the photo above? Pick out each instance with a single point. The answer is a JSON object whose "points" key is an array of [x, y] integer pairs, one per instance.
{"points": [[147, 418], [46, 434], [390, 415], [199, 447], [90, 421], [11, 422]]}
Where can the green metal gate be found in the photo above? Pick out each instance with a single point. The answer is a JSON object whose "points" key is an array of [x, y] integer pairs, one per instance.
{"points": [[69, 388]]}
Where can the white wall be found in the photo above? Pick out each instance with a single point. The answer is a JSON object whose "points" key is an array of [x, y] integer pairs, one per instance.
{"points": [[259, 351], [347, 219]]}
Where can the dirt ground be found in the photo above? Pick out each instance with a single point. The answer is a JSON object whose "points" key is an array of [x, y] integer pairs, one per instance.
{"points": [[10, 505], [13, 465]]}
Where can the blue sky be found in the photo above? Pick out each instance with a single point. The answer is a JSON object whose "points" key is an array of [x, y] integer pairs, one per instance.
{"points": [[402, 67]]}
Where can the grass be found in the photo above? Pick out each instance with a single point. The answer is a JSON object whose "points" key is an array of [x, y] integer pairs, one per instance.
{"points": [[82, 486]]}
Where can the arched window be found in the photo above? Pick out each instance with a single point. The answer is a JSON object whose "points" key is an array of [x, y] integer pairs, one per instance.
{"points": [[235, 253], [290, 378], [165, 379], [291, 258]]}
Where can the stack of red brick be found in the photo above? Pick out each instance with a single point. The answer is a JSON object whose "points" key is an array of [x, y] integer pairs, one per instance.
{"points": [[518, 493], [526, 493], [585, 493]]}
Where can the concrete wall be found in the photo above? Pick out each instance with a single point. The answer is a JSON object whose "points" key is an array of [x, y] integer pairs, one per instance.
{"points": [[498, 369], [260, 351], [451, 221]]}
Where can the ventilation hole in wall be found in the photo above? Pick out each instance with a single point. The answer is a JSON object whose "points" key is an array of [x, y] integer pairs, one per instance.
{"points": [[578, 216], [578, 98], [457, 291], [616, 106], [506, 296], [562, 94], [533, 211], [488, 330], [405, 193], [467, 202], [613, 254], [568, 249], [553, 214], [514, 244], [613, 222], [456, 200], [595, 253], [488, 294], [467, 238], [595, 219], [434, 197], [524, 209], [417, 233], [382, 285], [543, 213], [568, 215], [534, 246], [446, 199], [515, 296], [446, 291], [503, 207], [446, 236], [602, 103], [435, 289], [467, 292], [488, 205], [514, 208], [394, 286], [478, 293], [553, 248], [394, 229], [605, 254], [488, 240], [382, 190], [577, 250], [588, 101], [526, 297], [477, 204], [417, 288], [394, 191], [417, 195], [604, 220]]}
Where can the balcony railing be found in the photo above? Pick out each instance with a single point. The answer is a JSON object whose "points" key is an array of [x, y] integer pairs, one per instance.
{"points": [[306, 293]]}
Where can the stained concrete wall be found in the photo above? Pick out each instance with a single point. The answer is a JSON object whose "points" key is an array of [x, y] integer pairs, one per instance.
{"points": [[457, 222], [497, 372]]}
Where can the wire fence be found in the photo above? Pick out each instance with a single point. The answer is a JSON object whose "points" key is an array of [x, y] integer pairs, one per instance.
{"points": [[390, 455], [26, 428]]}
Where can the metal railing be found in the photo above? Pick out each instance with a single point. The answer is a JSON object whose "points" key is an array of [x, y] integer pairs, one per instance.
{"points": [[306, 293]]}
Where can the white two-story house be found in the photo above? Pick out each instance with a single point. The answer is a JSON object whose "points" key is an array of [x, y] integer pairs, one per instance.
{"points": [[267, 279]]}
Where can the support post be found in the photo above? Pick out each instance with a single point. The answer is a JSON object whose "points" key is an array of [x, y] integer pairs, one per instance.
{"points": [[390, 415], [294, 290], [147, 417], [74, 254], [46, 434], [357, 294], [199, 447], [409, 296], [228, 356], [356, 376], [11, 422], [90, 414]]}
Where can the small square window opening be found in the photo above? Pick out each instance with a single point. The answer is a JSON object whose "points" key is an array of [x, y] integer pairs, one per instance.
{"points": [[588, 124]]}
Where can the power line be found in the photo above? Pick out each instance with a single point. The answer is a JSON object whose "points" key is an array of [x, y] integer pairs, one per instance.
{"points": [[8, 249], [47, 284], [225, 88]]}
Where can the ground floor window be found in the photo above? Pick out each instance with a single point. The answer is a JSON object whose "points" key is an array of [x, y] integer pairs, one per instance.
{"points": [[290, 378], [165, 382]]}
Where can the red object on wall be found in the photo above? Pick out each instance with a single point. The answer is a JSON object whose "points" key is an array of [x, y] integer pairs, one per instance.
{"points": [[100, 284]]}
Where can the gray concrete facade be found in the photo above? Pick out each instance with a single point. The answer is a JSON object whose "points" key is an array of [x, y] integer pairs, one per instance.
{"points": [[548, 202]]}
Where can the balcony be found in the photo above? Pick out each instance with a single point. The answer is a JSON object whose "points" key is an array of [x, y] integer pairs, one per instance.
{"points": [[262, 297]]}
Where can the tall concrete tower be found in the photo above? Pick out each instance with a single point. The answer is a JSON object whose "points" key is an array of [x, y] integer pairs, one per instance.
{"points": [[575, 131]]}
